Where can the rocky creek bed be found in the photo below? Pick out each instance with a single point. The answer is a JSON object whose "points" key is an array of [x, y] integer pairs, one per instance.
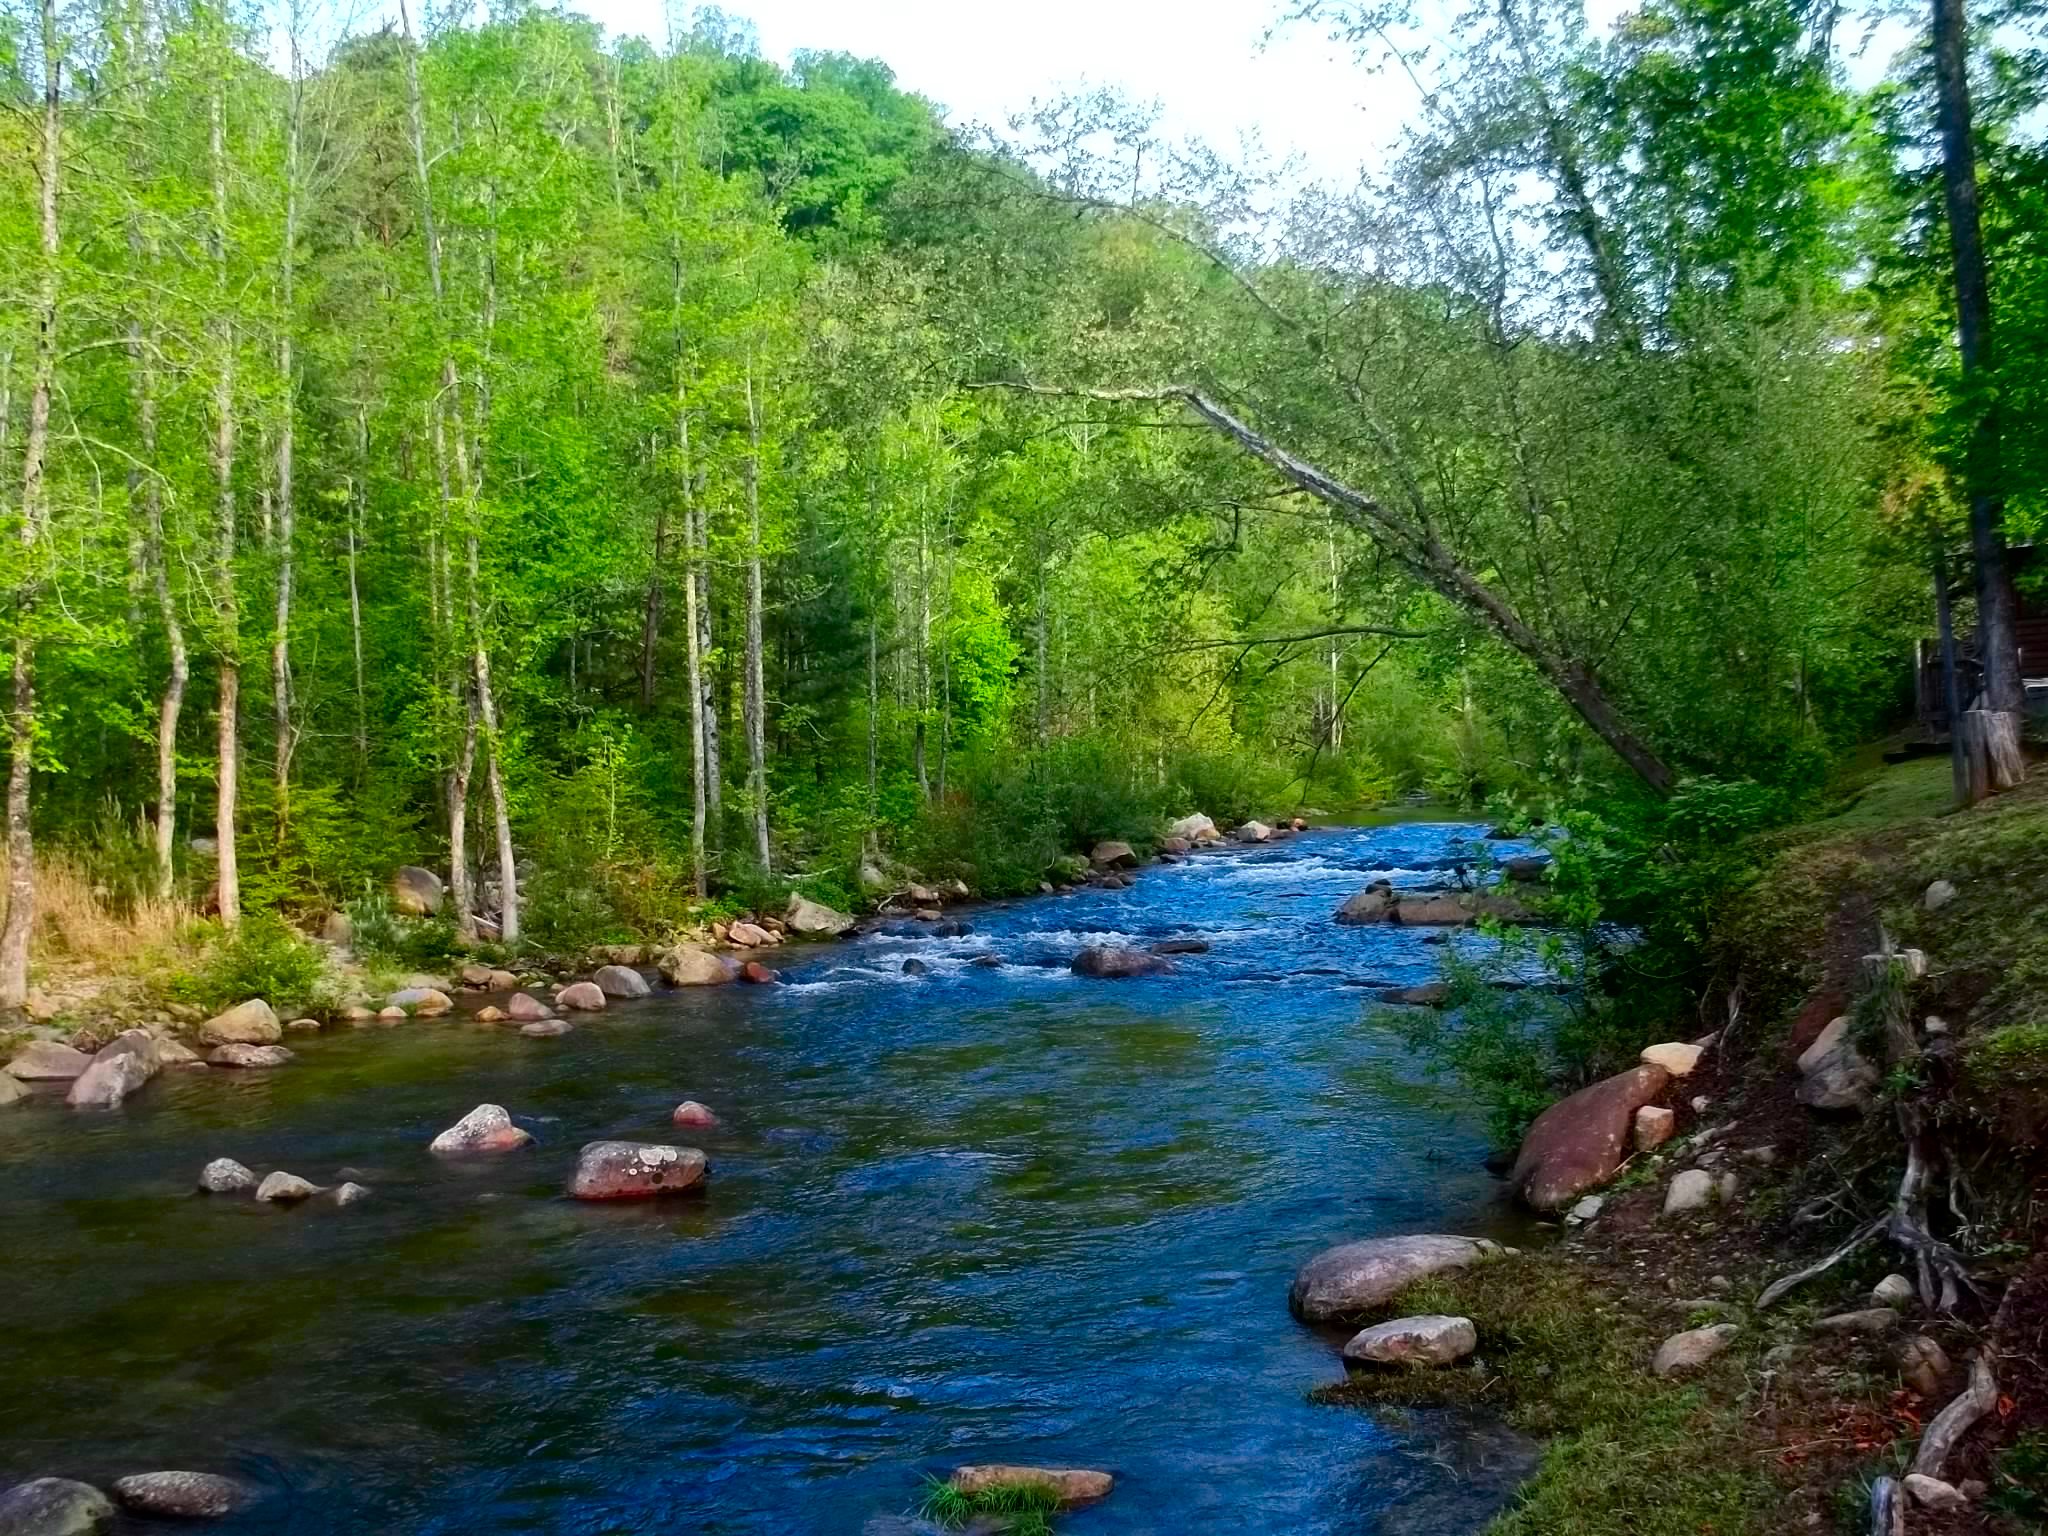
{"points": [[972, 1209]]}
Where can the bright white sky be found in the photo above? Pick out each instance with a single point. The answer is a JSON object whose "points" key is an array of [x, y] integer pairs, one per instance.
{"points": [[1205, 61]]}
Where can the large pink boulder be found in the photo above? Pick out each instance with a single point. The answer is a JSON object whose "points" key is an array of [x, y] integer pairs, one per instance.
{"points": [[585, 996], [636, 1170], [1578, 1143], [526, 1008]]}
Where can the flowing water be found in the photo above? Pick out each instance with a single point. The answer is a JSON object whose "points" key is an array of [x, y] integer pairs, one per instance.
{"points": [[988, 1213]]}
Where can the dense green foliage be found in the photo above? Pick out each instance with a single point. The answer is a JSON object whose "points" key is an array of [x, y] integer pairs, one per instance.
{"points": [[423, 390]]}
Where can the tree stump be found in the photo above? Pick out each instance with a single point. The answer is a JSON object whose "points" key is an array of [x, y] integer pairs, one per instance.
{"points": [[1988, 753]]}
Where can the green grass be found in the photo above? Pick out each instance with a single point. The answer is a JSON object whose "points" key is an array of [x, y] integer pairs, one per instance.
{"points": [[1908, 791], [1628, 1454], [1025, 1510]]}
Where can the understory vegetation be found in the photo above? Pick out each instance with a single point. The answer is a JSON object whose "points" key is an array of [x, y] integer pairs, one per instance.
{"points": [[635, 478]]}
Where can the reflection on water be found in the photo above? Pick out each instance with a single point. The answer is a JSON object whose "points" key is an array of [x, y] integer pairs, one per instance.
{"points": [[985, 1213]]}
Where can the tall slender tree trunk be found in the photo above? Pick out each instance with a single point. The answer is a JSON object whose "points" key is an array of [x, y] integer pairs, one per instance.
{"points": [[923, 679], [1987, 735], [1044, 659], [486, 698], [281, 641], [227, 609], [700, 805], [650, 617], [19, 924], [714, 766], [355, 598], [756, 705]]}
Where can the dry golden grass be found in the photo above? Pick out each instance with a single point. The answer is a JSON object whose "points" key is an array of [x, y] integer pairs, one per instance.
{"points": [[78, 920]]}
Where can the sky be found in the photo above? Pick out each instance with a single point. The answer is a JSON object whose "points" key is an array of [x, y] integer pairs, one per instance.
{"points": [[1208, 63], [1205, 61]]}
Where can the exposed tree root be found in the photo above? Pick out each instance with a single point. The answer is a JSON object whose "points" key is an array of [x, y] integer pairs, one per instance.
{"points": [[1958, 1418]]}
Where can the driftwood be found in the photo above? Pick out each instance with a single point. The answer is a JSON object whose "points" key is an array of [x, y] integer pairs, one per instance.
{"points": [[1887, 1508], [1958, 1418]]}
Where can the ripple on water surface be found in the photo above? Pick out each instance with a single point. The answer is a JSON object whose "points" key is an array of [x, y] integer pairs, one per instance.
{"points": [[989, 1212]]}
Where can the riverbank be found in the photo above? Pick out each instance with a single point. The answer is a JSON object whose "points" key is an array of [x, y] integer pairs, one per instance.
{"points": [[1799, 1402]]}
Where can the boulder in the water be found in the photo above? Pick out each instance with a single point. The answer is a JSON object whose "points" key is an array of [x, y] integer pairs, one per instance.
{"points": [[123, 1065], [759, 974], [487, 1128], [250, 1056], [584, 996], [1114, 962], [1068, 1486], [53, 1506], [526, 1008], [546, 1029], [427, 1002], [183, 1495], [691, 1113], [281, 1188], [225, 1176], [636, 1170], [688, 966], [620, 981]]}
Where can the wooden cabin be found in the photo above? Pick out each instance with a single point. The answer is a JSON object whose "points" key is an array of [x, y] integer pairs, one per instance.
{"points": [[2026, 567]]}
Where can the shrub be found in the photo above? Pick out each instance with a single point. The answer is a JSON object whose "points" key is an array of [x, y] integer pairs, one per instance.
{"points": [[260, 957]]}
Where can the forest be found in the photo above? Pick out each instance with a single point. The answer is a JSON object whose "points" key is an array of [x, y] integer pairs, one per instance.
{"points": [[637, 476]]}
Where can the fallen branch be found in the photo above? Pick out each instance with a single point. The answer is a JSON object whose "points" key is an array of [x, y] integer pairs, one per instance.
{"points": [[1887, 1508], [1958, 1418]]}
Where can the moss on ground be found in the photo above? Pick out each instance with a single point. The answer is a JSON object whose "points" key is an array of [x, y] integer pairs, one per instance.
{"points": [[1629, 1454]]}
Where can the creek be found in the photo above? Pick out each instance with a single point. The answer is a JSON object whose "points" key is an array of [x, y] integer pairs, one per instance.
{"points": [[986, 1213]]}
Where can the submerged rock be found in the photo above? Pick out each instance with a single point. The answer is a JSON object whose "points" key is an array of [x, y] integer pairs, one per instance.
{"points": [[1112, 962], [1578, 1143], [760, 975], [1430, 1339], [1069, 1485], [620, 981], [249, 1023], [1430, 994], [690, 1112], [225, 1176], [487, 1128], [525, 1006], [1181, 947], [915, 967], [546, 1029], [11, 1091], [584, 996], [183, 1495], [636, 1170], [349, 1192], [250, 1056], [1354, 1278], [53, 1506]]}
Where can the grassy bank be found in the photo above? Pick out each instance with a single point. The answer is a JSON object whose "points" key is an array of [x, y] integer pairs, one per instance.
{"points": [[1788, 1426]]}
